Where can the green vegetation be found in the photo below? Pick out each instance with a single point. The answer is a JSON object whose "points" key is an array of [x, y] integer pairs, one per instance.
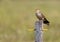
{"points": [[17, 16]]}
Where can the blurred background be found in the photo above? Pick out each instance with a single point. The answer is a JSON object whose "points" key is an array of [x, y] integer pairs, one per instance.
{"points": [[17, 16]]}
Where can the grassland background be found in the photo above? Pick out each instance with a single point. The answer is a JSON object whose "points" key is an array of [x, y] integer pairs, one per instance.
{"points": [[17, 16]]}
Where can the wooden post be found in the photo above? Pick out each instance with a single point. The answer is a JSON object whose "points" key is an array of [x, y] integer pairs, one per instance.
{"points": [[39, 31]]}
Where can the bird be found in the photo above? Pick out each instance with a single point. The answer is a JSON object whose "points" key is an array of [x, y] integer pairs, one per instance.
{"points": [[40, 16]]}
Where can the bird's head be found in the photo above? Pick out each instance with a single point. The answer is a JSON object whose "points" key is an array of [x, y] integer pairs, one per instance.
{"points": [[38, 11]]}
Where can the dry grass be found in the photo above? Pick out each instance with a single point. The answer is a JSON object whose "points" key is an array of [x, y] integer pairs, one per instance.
{"points": [[16, 17]]}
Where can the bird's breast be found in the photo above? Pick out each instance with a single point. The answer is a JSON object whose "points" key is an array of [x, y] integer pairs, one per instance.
{"points": [[39, 14]]}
